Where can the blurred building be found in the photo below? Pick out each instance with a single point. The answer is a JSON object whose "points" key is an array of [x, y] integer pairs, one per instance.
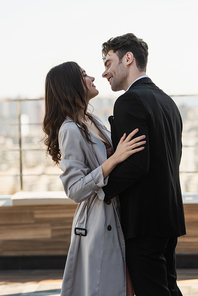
{"points": [[23, 161]]}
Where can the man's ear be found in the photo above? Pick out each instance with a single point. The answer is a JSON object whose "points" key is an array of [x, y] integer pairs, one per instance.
{"points": [[129, 58]]}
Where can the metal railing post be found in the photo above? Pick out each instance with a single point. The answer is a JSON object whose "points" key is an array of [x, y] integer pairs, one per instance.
{"points": [[20, 145]]}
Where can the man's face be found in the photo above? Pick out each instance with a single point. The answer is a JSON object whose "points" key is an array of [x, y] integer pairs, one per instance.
{"points": [[115, 71]]}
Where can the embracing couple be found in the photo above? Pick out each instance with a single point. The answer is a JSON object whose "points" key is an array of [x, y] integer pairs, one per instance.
{"points": [[130, 210]]}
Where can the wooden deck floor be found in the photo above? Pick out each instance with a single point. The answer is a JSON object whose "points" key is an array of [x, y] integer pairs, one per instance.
{"points": [[48, 282]]}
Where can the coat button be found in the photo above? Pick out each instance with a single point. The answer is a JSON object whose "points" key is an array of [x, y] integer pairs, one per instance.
{"points": [[108, 202], [109, 227]]}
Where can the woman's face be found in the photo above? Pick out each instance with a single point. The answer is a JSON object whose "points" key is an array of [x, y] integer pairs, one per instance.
{"points": [[91, 88]]}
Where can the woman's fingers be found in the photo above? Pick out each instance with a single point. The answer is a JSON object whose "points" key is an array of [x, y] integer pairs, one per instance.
{"points": [[137, 139], [133, 148], [131, 135], [122, 138], [133, 145], [136, 150]]}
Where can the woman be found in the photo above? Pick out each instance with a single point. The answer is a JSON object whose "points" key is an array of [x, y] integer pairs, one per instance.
{"points": [[81, 145]]}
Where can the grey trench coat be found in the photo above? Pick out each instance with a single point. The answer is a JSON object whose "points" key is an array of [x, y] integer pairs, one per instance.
{"points": [[95, 263]]}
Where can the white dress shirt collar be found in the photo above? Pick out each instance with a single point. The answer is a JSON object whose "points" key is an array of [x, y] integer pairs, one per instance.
{"points": [[143, 76]]}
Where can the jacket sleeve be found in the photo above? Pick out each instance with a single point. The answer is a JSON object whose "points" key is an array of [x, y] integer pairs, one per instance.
{"points": [[129, 114], [79, 181]]}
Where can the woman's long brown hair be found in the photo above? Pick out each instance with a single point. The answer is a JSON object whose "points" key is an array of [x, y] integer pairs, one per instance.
{"points": [[65, 96]]}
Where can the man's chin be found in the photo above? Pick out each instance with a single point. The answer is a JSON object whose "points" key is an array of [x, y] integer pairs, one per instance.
{"points": [[115, 88]]}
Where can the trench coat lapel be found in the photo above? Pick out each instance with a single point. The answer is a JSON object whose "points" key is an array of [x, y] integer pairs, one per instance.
{"points": [[98, 151], [99, 148], [103, 129]]}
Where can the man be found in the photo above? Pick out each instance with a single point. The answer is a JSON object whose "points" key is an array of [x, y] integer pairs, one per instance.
{"points": [[147, 182]]}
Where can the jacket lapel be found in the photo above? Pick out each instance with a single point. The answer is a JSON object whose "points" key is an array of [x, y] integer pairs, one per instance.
{"points": [[114, 136]]}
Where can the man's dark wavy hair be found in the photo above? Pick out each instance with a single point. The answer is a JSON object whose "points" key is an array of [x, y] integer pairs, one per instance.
{"points": [[128, 43]]}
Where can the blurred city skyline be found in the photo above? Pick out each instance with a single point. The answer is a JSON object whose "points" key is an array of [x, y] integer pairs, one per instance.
{"points": [[39, 172]]}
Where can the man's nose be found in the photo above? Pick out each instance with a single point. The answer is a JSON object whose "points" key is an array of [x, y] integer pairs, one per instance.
{"points": [[104, 74]]}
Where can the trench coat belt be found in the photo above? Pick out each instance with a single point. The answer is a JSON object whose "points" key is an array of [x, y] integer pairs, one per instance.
{"points": [[81, 222]]}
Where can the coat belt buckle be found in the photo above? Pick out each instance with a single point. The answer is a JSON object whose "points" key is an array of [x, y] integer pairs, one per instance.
{"points": [[80, 231]]}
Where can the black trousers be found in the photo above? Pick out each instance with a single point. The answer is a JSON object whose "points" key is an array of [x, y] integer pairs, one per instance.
{"points": [[151, 264]]}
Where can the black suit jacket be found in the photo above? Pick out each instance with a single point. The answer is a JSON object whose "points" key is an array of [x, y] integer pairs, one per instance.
{"points": [[148, 182]]}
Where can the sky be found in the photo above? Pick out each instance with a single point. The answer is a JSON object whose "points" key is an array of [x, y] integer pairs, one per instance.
{"points": [[37, 35]]}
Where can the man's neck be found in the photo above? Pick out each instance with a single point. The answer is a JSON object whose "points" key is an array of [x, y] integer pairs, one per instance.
{"points": [[134, 78]]}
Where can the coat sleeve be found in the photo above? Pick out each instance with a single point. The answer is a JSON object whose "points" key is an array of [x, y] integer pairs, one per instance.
{"points": [[129, 114], [79, 181]]}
